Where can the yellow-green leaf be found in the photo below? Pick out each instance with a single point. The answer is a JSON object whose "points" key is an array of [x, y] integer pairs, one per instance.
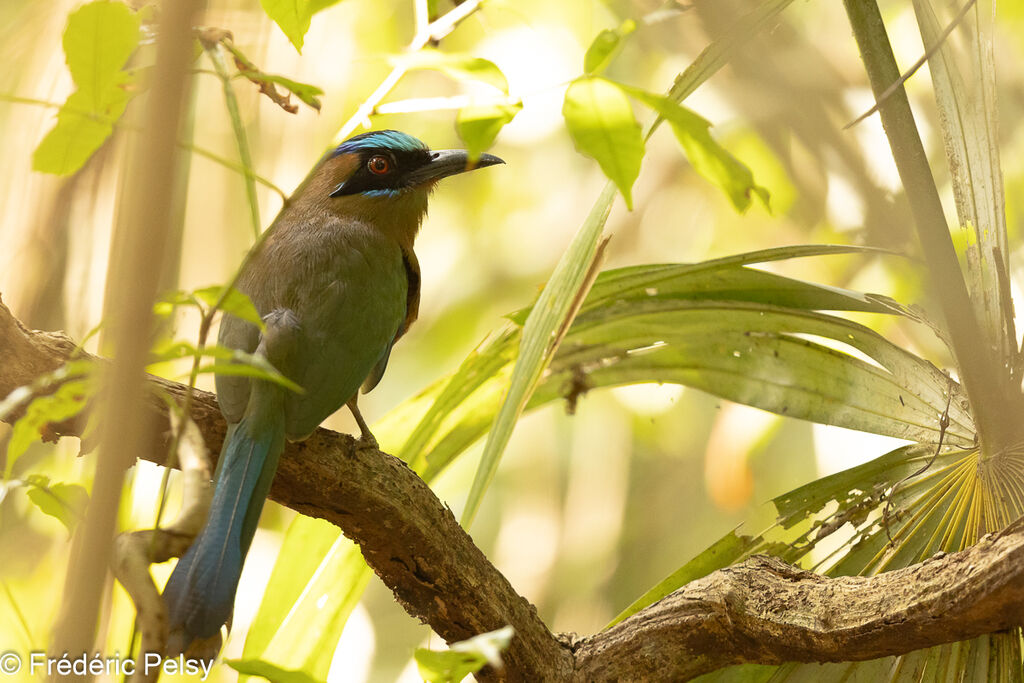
{"points": [[478, 126], [309, 94], [79, 131], [605, 46], [257, 667], [308, 601], [542, 333], [252, 365], [602, 125], [722, 553], [294, 16], [235, 302], [463, 658], [708, 157], [65, 502], [98, 40], [63, 404]]}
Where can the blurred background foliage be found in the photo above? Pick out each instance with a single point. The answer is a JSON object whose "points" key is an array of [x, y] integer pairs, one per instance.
{"points": [[590, 510]]}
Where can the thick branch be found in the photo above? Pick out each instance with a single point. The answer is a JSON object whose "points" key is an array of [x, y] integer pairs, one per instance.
{"points": [[762, 611], [409, 538], [768, 612]]}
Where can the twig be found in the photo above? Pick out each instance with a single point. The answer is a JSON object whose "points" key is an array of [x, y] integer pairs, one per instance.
{"points": [[943, 426], [913, 69], [120, 124], [435, 30], [213, 50], [417, 104], [135, 551]]}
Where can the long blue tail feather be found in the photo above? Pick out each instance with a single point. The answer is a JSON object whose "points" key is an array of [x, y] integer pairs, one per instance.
{"points": [[200, 593]]}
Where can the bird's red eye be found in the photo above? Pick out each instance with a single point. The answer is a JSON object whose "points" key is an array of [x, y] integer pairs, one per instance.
{"points": [[379, 165]]}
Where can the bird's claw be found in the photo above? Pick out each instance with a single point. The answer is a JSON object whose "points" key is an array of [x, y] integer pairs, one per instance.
{"points": [[367, 442]]}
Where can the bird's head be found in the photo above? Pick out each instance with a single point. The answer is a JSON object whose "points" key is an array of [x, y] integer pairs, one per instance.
{"points": [[391, 164], [383, 178]]}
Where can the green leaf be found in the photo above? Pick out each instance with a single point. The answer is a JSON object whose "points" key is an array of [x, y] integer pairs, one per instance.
{"points": [[708, 157], [478, 126], [309, 94], [294, 16], [542, 332], [235, 302], [731, 308], [942, 501], [771, 358], [98, 40], [726, 279], [854, 497], [252, 365], [965, 92], [447, 667], [306, 542], [603, 127], [167, 302], [722, 553], [227, 362], [257, 667], [605, 46], [66, 402], [66, 502], [173, 350], [316, 583], [717, 54], [457, 65], [463, 658], [80, 130], [43, 384]]}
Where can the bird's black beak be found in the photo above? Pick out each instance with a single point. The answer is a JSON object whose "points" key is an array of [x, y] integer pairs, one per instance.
{"points": [[448, 162]]}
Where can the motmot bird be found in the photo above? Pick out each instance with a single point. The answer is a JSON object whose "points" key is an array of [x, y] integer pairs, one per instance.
{"points": [[337, 284]]}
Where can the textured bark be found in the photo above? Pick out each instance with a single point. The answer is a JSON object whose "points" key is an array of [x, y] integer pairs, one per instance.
{"points": [[409, 538], [768, 612], [762, 610]]}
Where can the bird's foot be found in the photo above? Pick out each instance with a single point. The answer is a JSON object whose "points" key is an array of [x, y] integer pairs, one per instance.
{"points": [[367, 442]]}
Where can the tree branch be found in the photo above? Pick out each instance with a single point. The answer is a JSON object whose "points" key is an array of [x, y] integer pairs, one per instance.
{"points": [[762, 610], [765, 611], [409, 538]]}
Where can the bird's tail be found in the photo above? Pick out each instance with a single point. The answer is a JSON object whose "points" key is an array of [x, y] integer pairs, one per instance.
{"points": [[201, 591]]}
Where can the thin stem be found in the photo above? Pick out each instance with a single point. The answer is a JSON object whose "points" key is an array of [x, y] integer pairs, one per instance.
{"points": [[917, 65], [217, 58], [425, 32], [366, 108], [421, 12], [121, 125], [445, 24], [22, 621], [240, 168], [452, 103], [986, 387]]}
